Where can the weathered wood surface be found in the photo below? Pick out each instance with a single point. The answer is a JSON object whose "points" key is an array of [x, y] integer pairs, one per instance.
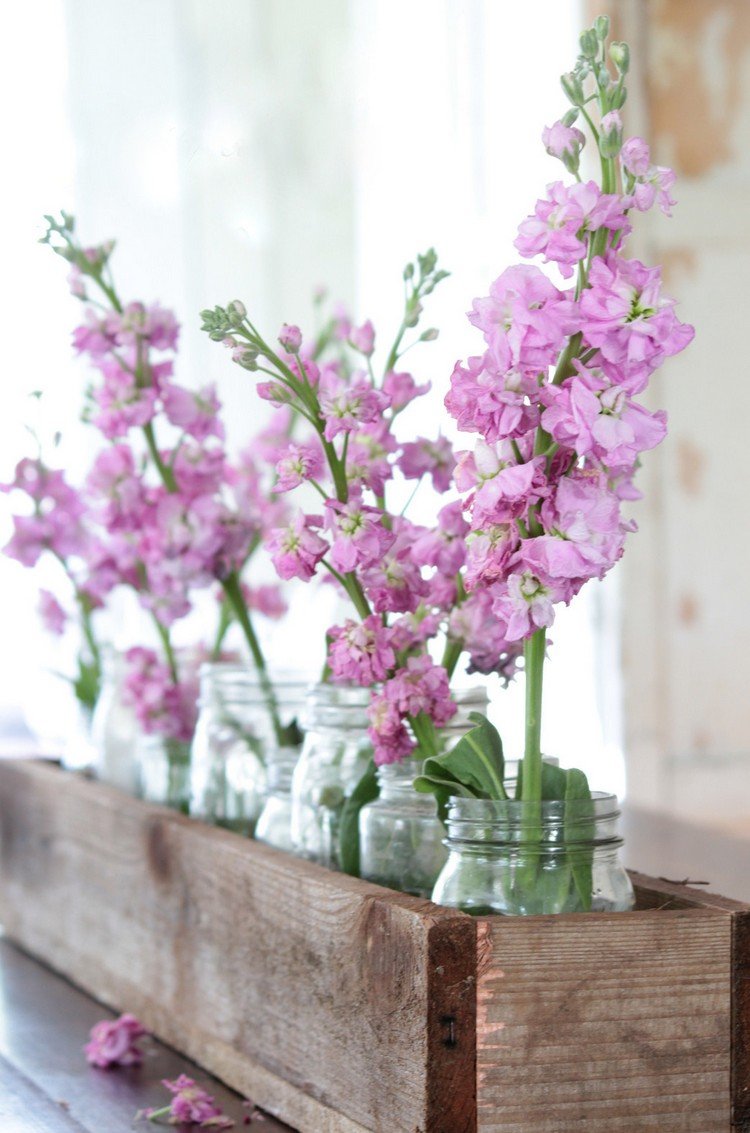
{"points": [[344, 1007], [332, 1003], [46, 1086]]}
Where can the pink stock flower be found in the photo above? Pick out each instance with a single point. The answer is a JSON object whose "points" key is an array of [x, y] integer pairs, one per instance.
{"points": [[299, 462], [114, 483], [194, 412], [422, 457], [584, 535], [394, 583], [560, 140], [266, 600], [367, 458], [361, 652], [113, 1042], [162, 706], [488, 553], [527, 310], [391, 741], [347, 405], [505, 489], [490, 397], [559, 227], [296, 549], [595, 417], [421, 686], [192, 1105], [649, 183], [153, 324], [401, 390], [625, 316], [359, 537], [444, 546], [363, 338], [123, 404], [52, 614], [524, 605], [482, 635]]}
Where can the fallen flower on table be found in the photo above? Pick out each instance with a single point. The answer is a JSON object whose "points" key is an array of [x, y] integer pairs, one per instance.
{"points": [[112, 1042], [191, 1105]]}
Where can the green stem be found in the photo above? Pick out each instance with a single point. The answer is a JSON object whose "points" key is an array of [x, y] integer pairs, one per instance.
{"points": [[166, 473], [533, 652], [233, 592]]}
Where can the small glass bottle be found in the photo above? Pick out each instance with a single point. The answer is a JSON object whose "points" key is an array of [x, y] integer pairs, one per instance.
{"points": [[335, 755], [401, 838], [114, 728], [519, 858], [236, 736], [164, 771]]}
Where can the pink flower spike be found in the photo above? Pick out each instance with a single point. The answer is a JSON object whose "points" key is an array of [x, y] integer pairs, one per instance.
{"points": [[112, 1042]]}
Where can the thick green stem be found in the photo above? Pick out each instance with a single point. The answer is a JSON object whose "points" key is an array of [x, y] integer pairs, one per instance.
{"points": [[168, 650], [533, 652], [164, 470]]}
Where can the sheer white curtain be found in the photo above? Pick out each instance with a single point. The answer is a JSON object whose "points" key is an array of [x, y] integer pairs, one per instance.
{"points": [[256, 148]]}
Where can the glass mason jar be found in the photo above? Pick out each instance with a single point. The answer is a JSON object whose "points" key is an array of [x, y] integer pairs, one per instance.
{"points": [[114, 728], [401, 838], [519, 858], [335, 755], [164, 771], [235, 739]]}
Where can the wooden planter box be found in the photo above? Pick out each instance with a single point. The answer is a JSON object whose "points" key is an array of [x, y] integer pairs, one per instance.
{"points": [[341, 1006]]}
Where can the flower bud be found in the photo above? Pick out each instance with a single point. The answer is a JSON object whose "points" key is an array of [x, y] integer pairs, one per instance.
{"points": [[245, 357], [619, 53], [570, 117], [610, 135], [601, 27], [290, 338], [589, 44], [236, 313], [409, 272], [429, 335], [411, 318], [571, 84]]}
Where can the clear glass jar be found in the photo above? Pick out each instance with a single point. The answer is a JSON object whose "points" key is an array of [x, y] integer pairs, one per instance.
{"points": [[164, 771], [335, 755], [519, 858], [235, 737], [114, 728], [275, 822], [401, 838]]}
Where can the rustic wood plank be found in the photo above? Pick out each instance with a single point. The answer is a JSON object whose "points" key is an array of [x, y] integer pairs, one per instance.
{"points": [[741, 1022], [335, 1004], [619, 1021]]}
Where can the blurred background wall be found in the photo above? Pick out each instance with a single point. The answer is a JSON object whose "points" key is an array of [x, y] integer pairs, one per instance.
{"points": [[257, 148]]}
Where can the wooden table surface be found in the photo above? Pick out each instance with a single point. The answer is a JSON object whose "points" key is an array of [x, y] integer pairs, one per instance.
{"points": [[47, 1087]]}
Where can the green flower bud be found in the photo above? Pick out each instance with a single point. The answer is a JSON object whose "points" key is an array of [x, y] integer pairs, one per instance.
{"points": [[571, 84], [409, 272], [601, 27], [619, 53], [413, 311], [570, 117], [603, 77], [236, 313], [589, 44], [618, 97], [429, 335]]}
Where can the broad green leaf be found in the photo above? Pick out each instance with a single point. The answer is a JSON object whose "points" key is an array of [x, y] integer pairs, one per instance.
{"points": [[475, 767], [366, 791], [554, 782]]}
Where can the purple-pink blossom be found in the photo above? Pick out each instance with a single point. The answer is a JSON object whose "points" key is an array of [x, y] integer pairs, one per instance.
{"points": [[113, 1042], [425, 457], [54, 617], [296, 549], [361, 653]]}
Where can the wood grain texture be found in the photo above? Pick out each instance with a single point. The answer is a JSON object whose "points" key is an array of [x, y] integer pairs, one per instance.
{"points": [[741, 1022], [336, 1005], [616, 1022]]}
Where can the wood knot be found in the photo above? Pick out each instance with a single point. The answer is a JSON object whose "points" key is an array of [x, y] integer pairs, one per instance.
{"points": [[159, 858]]}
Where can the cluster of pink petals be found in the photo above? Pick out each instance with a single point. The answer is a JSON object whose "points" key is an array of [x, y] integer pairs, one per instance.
{"points": [[162, 706], [361, 653], [191, 1105], [558, 228], [424, 457], [418, 687], [113, 1042], [53, 616], [297, 548]]}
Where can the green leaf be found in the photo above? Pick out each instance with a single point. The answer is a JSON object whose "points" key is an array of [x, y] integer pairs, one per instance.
{"points": [[578, 804], [474, 768], [366, 791], [86, 683], [554, 782]]}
